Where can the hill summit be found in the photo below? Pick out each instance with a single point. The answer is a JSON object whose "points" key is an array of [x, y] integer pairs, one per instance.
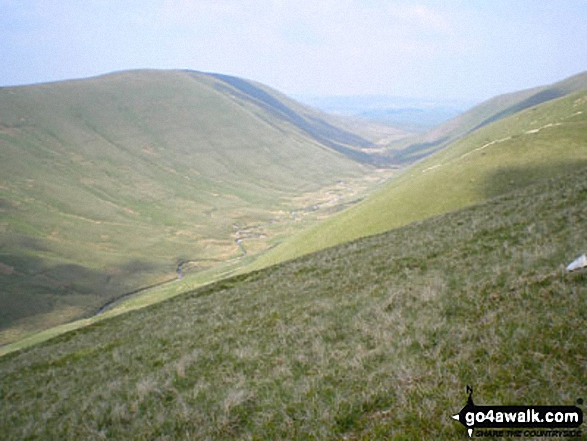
{"points": [[107, 183]]}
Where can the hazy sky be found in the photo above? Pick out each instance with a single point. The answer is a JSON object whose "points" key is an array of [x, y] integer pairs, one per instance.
{"points": [[468, 49]]}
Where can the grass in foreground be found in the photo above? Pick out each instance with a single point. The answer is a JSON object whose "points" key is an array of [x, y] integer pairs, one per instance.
{"points": [[138, 301], [374, 339]]}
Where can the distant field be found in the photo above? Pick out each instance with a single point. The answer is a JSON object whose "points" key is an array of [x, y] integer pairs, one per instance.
{"points": [[410, 114], [373, 339], [541, 142]]}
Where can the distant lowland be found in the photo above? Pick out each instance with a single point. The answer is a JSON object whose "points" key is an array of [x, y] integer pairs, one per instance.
{"points": [[411, 114]]}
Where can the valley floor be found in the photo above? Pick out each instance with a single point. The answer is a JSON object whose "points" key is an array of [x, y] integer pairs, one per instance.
{"points": [[247, 242]]}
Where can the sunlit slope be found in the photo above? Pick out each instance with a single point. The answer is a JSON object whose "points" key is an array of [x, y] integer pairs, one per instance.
{"points": [[545, 141], [375, 339], [107, 183], [489, 111]]}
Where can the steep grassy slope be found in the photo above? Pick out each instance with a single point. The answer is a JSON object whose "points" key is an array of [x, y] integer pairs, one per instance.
{"points": [[106, 184], [374, 339], [479, 116], [544, 141]]}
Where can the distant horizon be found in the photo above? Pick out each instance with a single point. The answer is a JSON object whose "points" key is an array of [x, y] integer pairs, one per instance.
{"points": [[454, 102], [300, 97], [426, 49]]}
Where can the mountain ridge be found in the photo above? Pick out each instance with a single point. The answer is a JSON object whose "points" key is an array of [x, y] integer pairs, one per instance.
{"points": [[491, 110], [108, 182]]}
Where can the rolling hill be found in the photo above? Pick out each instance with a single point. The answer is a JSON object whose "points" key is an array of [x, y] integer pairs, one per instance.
{"points": [[374, 339], [108, 183], [412, 149], [544, 141]]}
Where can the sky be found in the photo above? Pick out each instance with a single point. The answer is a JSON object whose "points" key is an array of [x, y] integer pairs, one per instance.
{"points": [[459, 49]]}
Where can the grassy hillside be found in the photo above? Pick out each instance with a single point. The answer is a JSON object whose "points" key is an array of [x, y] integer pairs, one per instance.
{"points": [[106, 184], [492, 110], [545, 141], [374, 339]]}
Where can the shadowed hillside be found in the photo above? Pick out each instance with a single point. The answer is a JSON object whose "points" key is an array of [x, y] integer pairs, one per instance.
{"points": [[106, 184]]}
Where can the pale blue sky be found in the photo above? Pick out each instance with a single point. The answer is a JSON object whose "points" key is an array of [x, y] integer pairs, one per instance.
{"points": [[463, 49]]}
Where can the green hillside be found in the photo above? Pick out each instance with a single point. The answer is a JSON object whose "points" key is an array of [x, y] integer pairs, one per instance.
{"points": [[541, 142], [374, 339], [106, 184], [494, 109]]}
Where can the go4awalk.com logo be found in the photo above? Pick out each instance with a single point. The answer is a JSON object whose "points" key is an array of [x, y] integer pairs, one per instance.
{"points": [[520, 421]]}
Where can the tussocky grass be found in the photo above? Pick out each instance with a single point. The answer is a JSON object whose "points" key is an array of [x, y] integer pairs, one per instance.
{"points": [[372, 339]]}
